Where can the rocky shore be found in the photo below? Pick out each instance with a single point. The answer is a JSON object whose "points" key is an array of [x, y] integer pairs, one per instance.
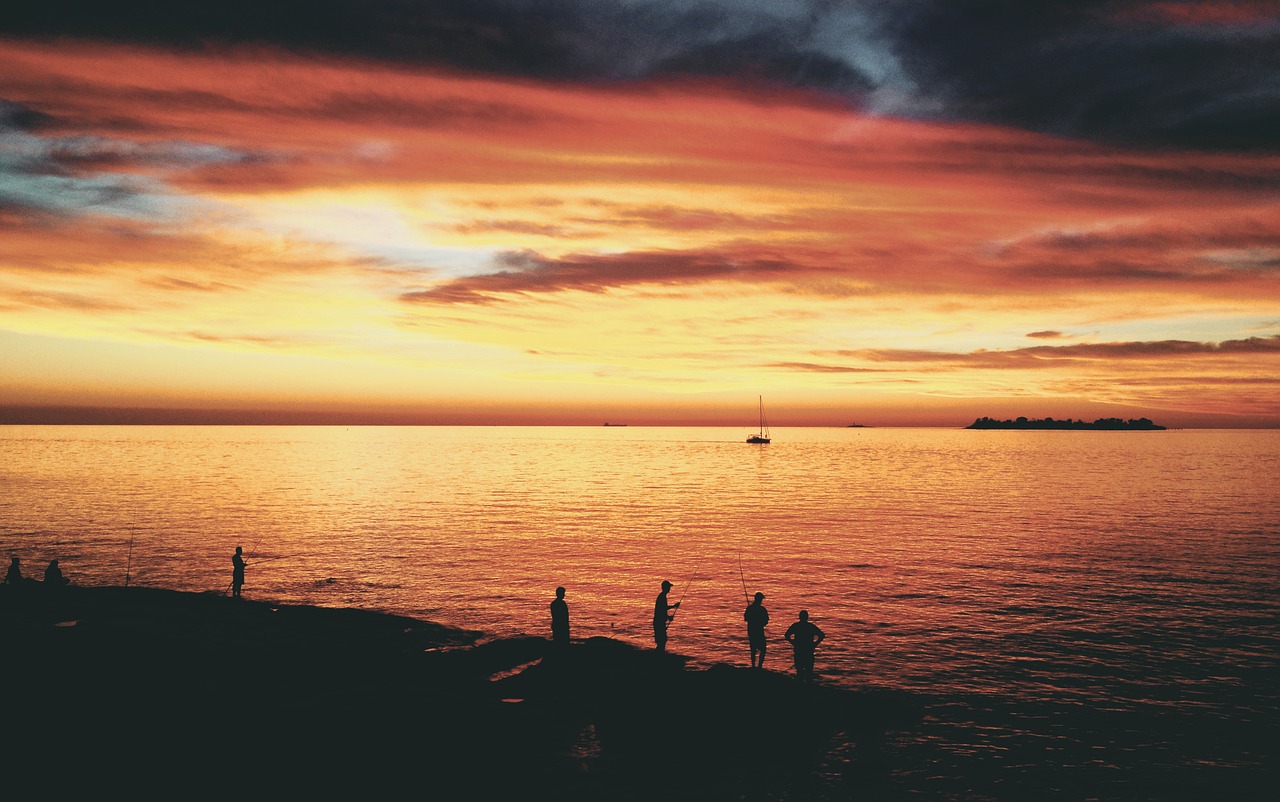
{"points": [[149, 691]]}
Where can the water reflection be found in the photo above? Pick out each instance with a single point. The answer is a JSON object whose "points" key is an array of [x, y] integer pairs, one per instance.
{"points": [[1092, 576]]}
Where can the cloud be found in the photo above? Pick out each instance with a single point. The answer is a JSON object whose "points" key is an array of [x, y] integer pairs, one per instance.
{"points": [[1194, 74], [20, 117], [530, 273], [1050, 356], [92, 154], [1201, 248], [188, 285], [1096, 70], [92, 174], [817, 367], [238, 339], [34, 194], [74, 301], [452, 112]]}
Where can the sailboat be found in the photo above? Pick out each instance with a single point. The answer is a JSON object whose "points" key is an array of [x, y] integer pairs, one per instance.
{"points": [[763, 435]]}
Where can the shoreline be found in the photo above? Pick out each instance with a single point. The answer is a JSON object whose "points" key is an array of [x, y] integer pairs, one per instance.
{"points": [[303, 698]]}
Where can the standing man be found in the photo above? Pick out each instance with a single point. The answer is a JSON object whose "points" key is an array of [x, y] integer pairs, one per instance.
{"points": [[662, 616], [756, 617], [559, 620], [237, 573], [804, 638]]}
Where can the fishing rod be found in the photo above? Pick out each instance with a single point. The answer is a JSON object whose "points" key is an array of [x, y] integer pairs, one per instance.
{"points": [[269, 559], [685, 592], [129, 562], [743, 577]]}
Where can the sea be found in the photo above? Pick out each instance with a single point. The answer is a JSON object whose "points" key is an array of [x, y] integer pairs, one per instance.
{"points": [[1078, 615]]}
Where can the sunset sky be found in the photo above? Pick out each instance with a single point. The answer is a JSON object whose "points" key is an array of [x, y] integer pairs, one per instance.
{"points": [[640, 211]]}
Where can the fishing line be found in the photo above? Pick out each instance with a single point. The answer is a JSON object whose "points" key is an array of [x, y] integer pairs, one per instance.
{"points": [[685, 592], [743, 577]]}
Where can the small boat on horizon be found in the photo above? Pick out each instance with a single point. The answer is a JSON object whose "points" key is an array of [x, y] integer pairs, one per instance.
{"points": [[763, 435]]}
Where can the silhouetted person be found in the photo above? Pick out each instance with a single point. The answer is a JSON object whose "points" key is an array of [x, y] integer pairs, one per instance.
{"points": [[662, 616], [559, 619], [237, 573], [756, 617], [53, 575], [804, 637], [14, 574]]}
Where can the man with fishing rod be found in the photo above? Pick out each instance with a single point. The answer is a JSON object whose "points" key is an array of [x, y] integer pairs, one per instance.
{"points": [[662, 616], [756, 617], [237, 573]]}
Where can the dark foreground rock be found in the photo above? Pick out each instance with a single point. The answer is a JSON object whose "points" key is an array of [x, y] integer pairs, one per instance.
{"points": [[154, 692]]}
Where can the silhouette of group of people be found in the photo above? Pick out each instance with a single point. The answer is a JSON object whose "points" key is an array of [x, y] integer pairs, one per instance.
{"points": [[53, 577], [803, 635]]}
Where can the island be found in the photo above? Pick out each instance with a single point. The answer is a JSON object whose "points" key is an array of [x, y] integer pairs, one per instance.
{"points": [[1101, 424], [162, 693]]}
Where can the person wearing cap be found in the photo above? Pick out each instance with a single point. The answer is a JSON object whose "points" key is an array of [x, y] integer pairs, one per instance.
{"points": [[559, 619], [756, 617], [804, 637], [662, 616]]}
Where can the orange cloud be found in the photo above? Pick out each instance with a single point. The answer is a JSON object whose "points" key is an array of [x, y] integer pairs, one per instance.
{"points": [[431, 229]]}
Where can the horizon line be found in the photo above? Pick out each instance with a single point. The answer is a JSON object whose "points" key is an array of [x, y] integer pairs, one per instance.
{"points": [[31, 415]]}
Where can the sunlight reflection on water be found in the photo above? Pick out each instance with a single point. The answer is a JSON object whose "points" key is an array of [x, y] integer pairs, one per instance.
{"points": [[1123, 571]]}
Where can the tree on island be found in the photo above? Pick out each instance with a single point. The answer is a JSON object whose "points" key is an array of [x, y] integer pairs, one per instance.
{"points": [[1102, 424]]}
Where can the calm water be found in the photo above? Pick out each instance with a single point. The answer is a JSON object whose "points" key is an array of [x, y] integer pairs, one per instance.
{"points": [[1084, 614]]}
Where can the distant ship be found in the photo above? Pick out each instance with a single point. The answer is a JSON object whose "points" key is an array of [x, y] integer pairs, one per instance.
{"points": [[606, 423], [763, 435]]}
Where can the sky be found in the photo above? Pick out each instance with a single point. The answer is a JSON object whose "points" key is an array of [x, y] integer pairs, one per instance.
{"points": [[640, 211]]}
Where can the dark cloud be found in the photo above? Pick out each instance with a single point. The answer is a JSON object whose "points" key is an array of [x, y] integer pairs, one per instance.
{"points": [[20, 117], [77, 175], [1046, 356], [91, 154], [1157, 348], [529, 38], [1048, 334], [1217, 249], [1102, 69], [661, 217], [1117, 70], [526, 272]]}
